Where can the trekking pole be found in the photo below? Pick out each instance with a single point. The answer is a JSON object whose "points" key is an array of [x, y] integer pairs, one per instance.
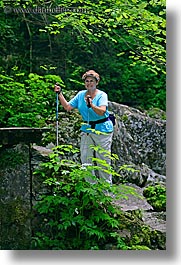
{"points": [[57, 101], [56, 118]]}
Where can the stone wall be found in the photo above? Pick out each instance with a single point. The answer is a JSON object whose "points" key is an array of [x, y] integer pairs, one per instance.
{"points": [[15, 197], [16, 185]]}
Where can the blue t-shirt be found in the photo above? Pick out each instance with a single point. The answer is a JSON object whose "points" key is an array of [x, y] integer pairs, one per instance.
{"points": [[88, 114]]}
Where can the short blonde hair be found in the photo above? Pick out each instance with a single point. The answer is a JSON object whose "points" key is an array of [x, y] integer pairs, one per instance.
{"points": [[91, 73]]}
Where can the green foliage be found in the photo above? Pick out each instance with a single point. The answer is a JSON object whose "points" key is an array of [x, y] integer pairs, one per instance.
{"points": [[75, 214], [156, 196], [125, 38], [137, 247], [27, 103]]}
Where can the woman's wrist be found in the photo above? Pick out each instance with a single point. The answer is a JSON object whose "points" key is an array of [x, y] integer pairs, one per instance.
{"points": [[98, 110], [95, 108], [92, 106], [60, 94]]}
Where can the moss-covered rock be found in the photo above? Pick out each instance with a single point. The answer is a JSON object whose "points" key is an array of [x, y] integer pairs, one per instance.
{"points": [[138, 235], [15, 225]]}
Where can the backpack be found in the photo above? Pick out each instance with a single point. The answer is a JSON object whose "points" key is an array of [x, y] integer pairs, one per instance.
{"points": [[112, 118]]}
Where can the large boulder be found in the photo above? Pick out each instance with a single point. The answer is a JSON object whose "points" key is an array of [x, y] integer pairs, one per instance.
{"points": [[140, 141]]}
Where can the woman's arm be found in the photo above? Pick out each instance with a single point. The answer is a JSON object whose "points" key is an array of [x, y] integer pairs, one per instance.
{"points": [[63, 101]]}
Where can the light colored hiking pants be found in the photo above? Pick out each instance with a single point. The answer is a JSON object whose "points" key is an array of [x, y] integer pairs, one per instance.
{"points": [[87, 153]]}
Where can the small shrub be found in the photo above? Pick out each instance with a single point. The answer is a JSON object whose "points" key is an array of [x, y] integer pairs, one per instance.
{"points": [[156, 196], [75, 214]]}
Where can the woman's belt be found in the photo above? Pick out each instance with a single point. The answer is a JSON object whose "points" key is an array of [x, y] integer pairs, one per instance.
{"points": [[93, 123]]}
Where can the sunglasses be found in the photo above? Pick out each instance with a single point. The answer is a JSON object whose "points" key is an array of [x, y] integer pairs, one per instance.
{"points": [[89, 81]]}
